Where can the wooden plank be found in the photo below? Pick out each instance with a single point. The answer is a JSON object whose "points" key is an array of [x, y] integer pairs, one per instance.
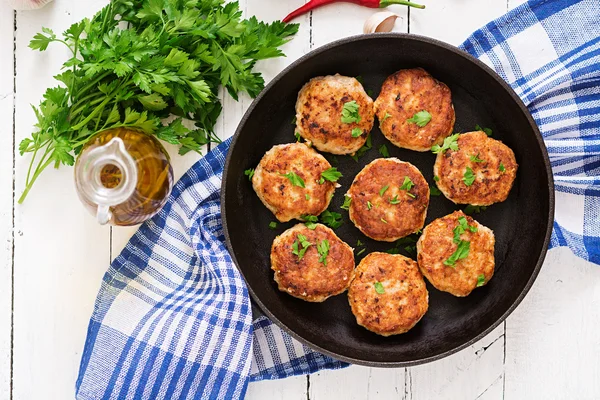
{"points": [[294, 388], [358, 383], [61, 253], [6, 196], [552, 337]]}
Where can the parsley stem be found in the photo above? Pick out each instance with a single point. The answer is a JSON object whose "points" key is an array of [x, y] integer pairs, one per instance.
{"points": [[385, 3], [92, 115], [91, 85], [29, 184]]}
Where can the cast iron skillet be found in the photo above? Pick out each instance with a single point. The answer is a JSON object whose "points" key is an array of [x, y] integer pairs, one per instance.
{"points": [[522, 223]]}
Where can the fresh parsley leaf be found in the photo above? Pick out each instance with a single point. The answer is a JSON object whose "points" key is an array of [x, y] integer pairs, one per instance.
{"points": [[293, 122], [310, 221], [323, 249], [347, 201], [366, 147], [302, 241], [356, 132], [361, 251], [331, 219], [471, 209], [386, 116], [383, 220], [379, 288], [480, 280], [294, 179], [462, 252], [273, 225], [359, 243], [369, 205], [487, 131], [475, 158], [298, 137], [436, 178], [249, 173], [501, 168], [468, 177], [383, 190], [450, 143], [383, 150], [331, 175], [359, 78], [350, 112], [421, 118], [407, 184], [434, 190], [394, 200], [306, 196]]}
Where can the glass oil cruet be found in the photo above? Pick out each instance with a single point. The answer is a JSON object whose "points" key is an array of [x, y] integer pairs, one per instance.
{"points": [[123, 176]]}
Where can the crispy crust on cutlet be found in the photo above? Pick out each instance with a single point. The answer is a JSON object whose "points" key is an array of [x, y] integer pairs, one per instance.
{"points": [[319, 111], [385, 221], [491, 185], [436, 245], [406, 93], [307, 278], [279, 195], [405, 299]]}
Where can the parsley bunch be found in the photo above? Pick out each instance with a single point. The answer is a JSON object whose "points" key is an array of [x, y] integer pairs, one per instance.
{"points": [[137, 62]]}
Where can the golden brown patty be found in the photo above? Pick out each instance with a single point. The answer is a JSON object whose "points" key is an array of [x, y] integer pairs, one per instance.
{"points": [[311, 276], [406, 93], [388, 295], [437, 245], [319, 114], [285, 199], [380, 208], [491, 162]]}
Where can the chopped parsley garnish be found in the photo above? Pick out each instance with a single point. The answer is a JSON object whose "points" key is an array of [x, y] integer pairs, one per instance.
{"points": [[384, 221], [421, 118], [436, 178], [383, 189], [361, 251], [249, 173], [487, 131], [310, 221], [347, 201], [394, 200], [323, 249], [386, 116], [480, 280], [471, 209], [300, 241], [383, 150], [359, 243], [366, 147], [379, 288], [293, 120], [476, 158], [356, 132], [306, 196], [468, 177], [462, 252], [407, 184], [369, 205], [273, 225], [451, 142], [434, 190], [350, 112], [331, 219], [501, 168], [294, 179], [408, 243], [461, 228], [331, 175], [298, 137]]}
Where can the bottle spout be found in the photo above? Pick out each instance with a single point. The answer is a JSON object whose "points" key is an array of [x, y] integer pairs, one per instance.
{"points": [[103, 215]]}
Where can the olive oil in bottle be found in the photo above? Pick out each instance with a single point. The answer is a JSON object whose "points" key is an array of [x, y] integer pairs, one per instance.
{"points": [[123, 176]]}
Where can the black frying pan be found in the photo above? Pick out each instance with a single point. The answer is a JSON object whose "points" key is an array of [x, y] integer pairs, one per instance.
{"points": [[522, 224]]}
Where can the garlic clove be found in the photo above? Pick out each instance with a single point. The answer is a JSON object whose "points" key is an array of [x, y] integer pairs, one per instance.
{"points": [[26, 4], [380, 22]]}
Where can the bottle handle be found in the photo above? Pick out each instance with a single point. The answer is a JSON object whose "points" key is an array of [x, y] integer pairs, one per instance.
{"points": [[103, 214]]}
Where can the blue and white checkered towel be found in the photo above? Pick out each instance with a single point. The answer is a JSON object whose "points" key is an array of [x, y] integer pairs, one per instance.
{"points": [[173, 318]]}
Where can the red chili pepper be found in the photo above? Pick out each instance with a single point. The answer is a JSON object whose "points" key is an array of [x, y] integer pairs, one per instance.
{"points": [[312, 4]]}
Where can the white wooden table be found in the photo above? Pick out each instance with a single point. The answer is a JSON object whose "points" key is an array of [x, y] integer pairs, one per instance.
{"points": [[53, 254]]}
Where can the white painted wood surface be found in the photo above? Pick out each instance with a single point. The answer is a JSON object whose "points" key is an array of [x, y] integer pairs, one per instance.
{"points": [[547, 349]]}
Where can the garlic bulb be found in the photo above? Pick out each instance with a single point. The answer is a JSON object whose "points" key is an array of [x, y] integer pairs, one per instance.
{"points": [[26, 4], [380, 22]]}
